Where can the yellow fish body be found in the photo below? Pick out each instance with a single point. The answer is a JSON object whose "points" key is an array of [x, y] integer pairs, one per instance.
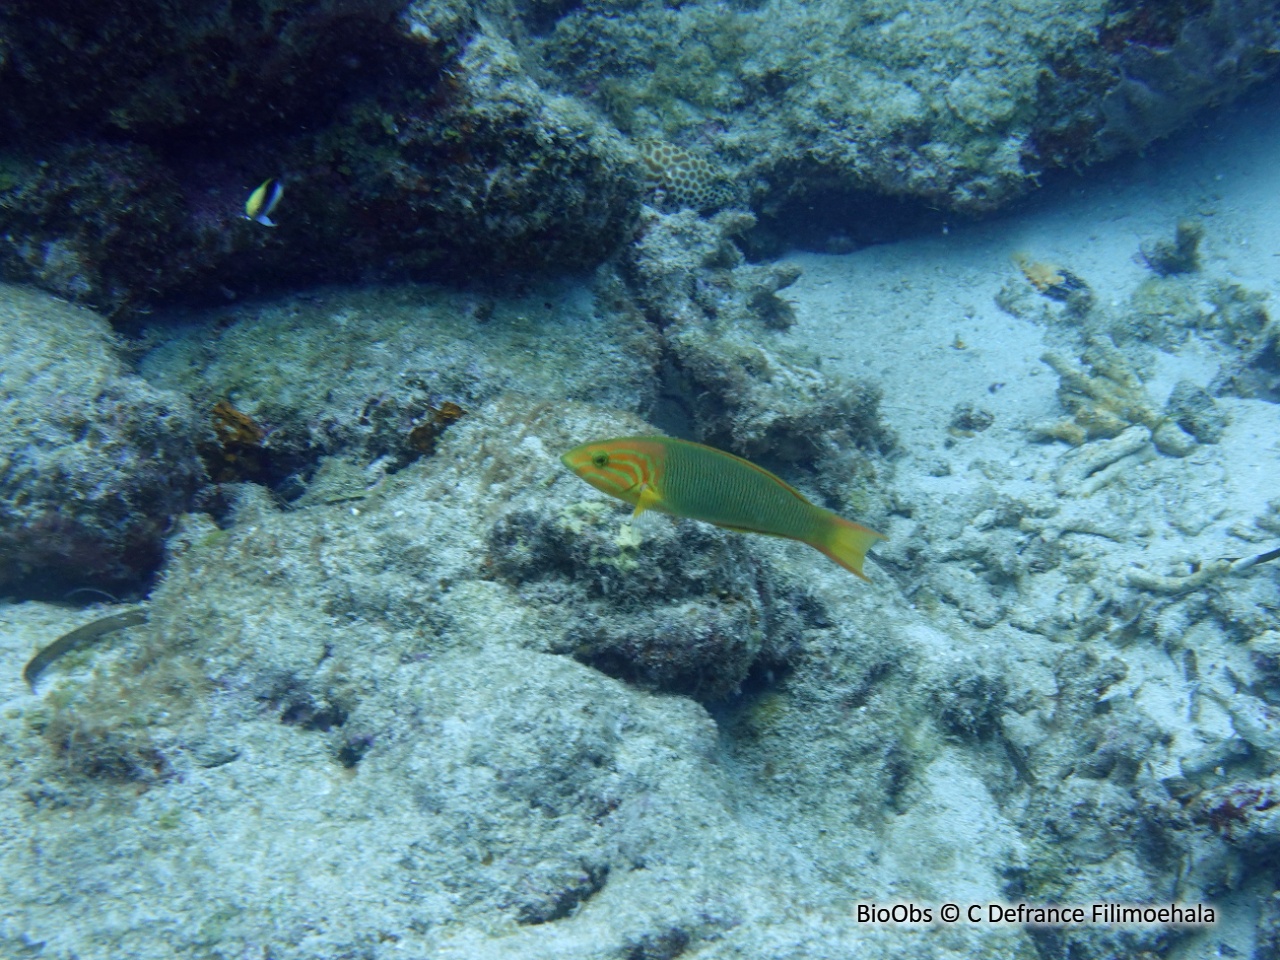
{"points": [[691, 480]]}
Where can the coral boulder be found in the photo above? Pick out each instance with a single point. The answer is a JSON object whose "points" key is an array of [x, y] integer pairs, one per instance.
{"points": [[93, 461]]}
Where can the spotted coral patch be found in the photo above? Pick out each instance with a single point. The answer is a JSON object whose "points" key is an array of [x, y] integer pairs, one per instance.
{"points": [[681, 178]]}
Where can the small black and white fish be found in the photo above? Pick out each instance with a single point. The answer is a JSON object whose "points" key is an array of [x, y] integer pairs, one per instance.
{"points": [[263, 202]]}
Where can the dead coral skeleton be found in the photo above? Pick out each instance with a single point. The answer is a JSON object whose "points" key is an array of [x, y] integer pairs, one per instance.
{"points": [[1088, 469], [1104, 401], [1202, 574]]}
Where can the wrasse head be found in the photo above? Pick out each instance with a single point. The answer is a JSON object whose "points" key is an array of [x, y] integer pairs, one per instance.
{"points": [[619, 468], [591, 462]]}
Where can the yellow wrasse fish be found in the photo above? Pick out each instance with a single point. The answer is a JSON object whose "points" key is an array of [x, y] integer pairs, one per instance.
{"points": [[690, 480], [263, 202]]}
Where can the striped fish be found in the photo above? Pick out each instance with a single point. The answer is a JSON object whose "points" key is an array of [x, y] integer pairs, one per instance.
{"points": [[688, 479], [263, 202]]}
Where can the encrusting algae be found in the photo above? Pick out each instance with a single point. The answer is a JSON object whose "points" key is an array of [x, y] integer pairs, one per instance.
{"points": [[240, 451], [686, 479]]}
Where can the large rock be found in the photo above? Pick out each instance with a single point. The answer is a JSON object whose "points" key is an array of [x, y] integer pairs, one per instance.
{"points": [[411, 143], [959, 105], [94, 462], [446, 140]]}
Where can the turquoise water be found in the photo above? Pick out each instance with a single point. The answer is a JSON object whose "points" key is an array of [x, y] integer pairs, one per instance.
{"points": [[340, 661]]}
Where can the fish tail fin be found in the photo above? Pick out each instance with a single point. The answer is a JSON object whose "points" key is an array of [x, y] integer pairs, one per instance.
{"points": [[847, 543]]}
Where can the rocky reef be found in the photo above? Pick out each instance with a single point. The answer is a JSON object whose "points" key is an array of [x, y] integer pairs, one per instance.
{"points": [[397, 683], [383, 641], [410, 143], [963, 107], [444, 141], [729, 376], [365, 376], [95, 462], [414, 657]]}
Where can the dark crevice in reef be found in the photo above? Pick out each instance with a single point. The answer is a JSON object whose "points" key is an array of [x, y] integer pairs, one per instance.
{"points": [[841, 221]]}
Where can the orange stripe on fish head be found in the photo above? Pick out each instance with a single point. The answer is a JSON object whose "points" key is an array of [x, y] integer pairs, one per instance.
{"points": [[620, 468]]}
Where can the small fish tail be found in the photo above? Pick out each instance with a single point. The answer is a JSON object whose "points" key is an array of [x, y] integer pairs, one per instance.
{"points": [[847, 543]]}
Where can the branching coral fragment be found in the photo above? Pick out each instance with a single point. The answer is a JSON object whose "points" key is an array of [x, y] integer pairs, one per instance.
{"points": [[1161, 583], [1179, 255], [1104, 400], [1202, 575], [1089, 469]]}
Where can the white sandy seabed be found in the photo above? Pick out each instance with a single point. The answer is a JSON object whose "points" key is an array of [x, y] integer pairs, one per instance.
{"points": [[894, 313], [920, 318]]}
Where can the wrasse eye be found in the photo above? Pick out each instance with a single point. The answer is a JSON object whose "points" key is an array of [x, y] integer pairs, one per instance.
{"points": [[600, 460]]}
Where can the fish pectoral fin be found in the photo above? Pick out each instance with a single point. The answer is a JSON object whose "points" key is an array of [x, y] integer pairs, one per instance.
{"points": [[648, 498]]}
